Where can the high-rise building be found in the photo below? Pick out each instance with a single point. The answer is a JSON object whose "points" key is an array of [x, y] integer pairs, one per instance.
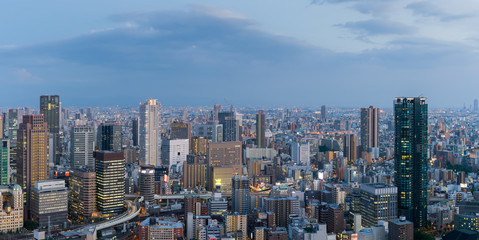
{"points": [[180, 131], [333, 216], [14, 118], [230, 123], [5, 162], [217, 205], [212, 131], [11, 212], [369, 128], [82, 146], [2, 124], [476, 105], [49, 203], [300, 153], [260, 129], [226, 154], [110, 181], [82, 194], [237, 224], [240, 194], [194, 172], [216, 111], [282, 208], [324, 113], [378, 203], [349, 147], [150, 136], [400, 229], [50, 107], [147, 183], [219, 178], [134, 132], [174, 153], [110, 136], [32, 154], [199, 146], [410, 165]]}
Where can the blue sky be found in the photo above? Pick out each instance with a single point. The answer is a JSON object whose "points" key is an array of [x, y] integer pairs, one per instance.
{"points": [[268, 53]]}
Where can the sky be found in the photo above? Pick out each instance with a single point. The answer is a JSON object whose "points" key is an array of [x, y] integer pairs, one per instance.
{"points": [[259, 53]]}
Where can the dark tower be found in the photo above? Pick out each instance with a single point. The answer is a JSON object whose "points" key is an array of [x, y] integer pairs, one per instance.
{"points": [[410, 165]]}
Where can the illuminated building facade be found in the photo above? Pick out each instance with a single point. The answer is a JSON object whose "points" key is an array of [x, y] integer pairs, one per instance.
{"points": [[110, 181], [150, 136]]}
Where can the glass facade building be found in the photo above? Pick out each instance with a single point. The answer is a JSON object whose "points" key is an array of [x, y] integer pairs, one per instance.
{"points": [[410, 165]]}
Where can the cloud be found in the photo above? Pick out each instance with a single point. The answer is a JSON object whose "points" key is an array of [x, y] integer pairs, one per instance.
{"points": [[427, 9], [195, 57], [23, 76], [377, 27]]}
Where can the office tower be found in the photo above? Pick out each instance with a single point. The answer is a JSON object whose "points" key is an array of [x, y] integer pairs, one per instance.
{"points": [[5, 162], [216, 111], [212, 131], [217, 205], [110, 181], [410, 165], [162, 184], [400, 229], [50, 107], [240, 194], [194, 173], [89, 114], [260, 129], [323, 113], [174, 152], [153, 228], [82, 196], [369, 128], [32, 155], [300, 153], [226, 154], [180, 131], [378, 203], [110, 136], [476, 105], [147, 183], [11, 212], [349, 147], [150, 136], [230, 124], [134, 132], [333, 216], [237, 224], [49, 203], [82, 146], [131, 155], [199, 146], [282, 208]]}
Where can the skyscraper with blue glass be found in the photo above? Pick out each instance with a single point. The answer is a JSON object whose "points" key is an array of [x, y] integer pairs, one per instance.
{"points": [[410, 165]]}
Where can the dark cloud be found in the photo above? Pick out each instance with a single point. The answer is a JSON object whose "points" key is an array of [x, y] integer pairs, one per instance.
{"points": [[377, 27], [427, 9], [204, 56]]}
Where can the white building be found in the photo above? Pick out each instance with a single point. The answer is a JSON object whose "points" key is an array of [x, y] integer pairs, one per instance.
{"points": [[300, 153], [150, 137], [82, 146], [11, 213], [174, 152]]}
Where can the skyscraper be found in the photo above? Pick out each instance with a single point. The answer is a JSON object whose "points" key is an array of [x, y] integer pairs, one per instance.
{"points": [[82, 146], [260, 129], [349, 147], [214, 114], [369, 128], [134, 132], [32, 147], [240, 194], [378, 203], [49, 202], [323, 113], [150, 137], [82, 194], [110, 181], [50, 107], [410, 165], [110, 136], [147, 183], [476, 105], [230, 126], [4, 162], [174, 152]]}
